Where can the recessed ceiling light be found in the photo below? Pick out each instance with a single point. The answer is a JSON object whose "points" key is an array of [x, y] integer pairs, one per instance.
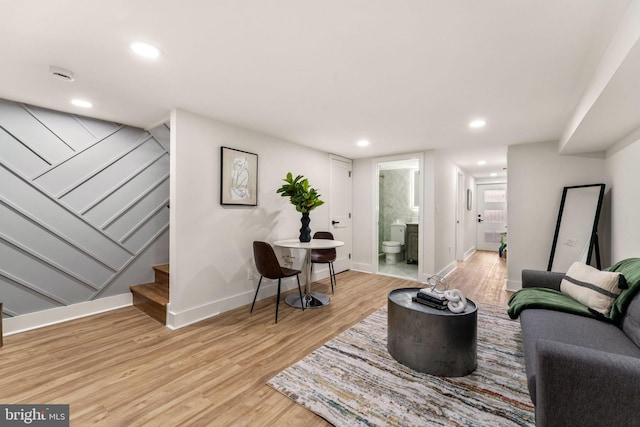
{"points": [[477, 124], [81, 103], [145, 49], [493, 174], [62, 73], [482, 163], [363, 143]]}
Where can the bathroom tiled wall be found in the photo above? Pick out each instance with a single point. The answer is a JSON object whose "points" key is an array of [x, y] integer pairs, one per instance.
{"points": [[395, 201]]}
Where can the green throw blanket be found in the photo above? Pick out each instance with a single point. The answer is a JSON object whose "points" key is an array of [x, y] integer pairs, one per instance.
{"points": [[630, 269], [548, 299], [553, 300]]}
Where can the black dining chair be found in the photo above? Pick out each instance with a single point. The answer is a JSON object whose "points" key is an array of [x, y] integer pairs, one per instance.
{"points": [[269, 267], [324, 256]]}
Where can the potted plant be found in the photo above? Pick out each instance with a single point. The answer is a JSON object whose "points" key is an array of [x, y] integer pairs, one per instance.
{"points": [[503, 245], [304, 198]]}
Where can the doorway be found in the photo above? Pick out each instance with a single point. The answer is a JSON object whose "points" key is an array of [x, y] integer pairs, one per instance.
{"points": [[399, 186], [491, 215]]}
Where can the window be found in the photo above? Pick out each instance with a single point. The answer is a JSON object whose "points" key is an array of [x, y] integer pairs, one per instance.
{"points": [[495, 196], [494, 216]]}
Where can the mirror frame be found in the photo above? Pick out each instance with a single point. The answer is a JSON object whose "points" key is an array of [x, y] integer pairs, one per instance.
{"points": [[593, 243]]}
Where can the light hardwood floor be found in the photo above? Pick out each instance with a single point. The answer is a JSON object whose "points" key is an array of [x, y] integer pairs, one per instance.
{"points": [[122, 368]]}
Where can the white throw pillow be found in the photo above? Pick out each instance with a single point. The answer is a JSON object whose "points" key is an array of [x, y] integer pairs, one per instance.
{"points": [[589, 286]]}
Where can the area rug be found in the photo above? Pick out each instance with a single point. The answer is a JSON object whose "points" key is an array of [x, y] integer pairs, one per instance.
{"points": [[352, 380]]}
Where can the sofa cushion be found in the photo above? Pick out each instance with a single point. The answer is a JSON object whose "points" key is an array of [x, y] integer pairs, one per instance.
{"points": [[570, 329], [631, 320], [594, 288]]}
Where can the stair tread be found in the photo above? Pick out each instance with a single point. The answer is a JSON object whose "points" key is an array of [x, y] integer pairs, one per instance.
{"points": [[163, 267], [157, 292]]}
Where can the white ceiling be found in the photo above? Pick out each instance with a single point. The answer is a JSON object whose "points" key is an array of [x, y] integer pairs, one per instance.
{"points": [[407, 75]]}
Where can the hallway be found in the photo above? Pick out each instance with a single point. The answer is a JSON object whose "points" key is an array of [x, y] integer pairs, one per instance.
{"points": [[482, 277]]}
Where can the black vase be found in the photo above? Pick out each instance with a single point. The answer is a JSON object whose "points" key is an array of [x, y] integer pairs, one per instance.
{"points": [[305, 230]]}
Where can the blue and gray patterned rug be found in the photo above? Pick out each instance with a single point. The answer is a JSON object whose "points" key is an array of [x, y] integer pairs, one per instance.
{"points": [[352, 380]]}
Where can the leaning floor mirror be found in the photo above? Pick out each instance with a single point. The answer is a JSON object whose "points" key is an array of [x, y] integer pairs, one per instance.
{"points": [[576, 234]]}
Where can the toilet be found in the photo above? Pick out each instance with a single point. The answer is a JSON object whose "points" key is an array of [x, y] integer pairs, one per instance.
{"points": [[394, 248]]}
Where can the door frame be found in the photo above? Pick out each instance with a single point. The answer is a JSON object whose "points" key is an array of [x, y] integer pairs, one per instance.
{"points": [[376, 208]]}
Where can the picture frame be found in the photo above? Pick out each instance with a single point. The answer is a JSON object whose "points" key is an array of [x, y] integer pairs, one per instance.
{"points": [[238, 177], [469, 199]]}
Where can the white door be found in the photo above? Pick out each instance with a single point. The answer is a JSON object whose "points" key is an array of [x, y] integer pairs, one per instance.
{"points": [[491, 215], [340, 210]]}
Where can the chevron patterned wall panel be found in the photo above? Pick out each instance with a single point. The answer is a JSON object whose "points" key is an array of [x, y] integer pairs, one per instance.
{"points": [[84, 207]]}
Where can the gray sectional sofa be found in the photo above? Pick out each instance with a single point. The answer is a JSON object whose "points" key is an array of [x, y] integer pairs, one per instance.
{"points": [[582, 369]]}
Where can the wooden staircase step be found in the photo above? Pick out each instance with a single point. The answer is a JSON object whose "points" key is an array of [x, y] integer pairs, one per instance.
{"points": [[161, 273], [157, 292], [152, 298]]}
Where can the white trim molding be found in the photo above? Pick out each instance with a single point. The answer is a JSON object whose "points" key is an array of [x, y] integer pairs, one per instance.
{"points": [[52, 316]]}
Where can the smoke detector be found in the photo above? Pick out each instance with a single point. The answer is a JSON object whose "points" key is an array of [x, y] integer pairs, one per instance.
{"points": [[62, 74]]}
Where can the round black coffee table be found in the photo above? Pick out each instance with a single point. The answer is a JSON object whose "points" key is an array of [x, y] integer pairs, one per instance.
{"points": [[431, 340]]}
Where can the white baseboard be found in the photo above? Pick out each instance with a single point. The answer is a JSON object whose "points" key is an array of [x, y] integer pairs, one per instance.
{"points": [[319, 273], [468, 253], [177, 320], [362, 267], [186, 318], [448, 269], [39, 319]]}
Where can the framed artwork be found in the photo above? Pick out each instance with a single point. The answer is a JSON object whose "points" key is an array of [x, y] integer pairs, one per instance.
{"points": [[469, 199], [238, 177]]}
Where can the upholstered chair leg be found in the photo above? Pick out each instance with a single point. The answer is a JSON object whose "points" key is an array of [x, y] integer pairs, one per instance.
{"points": [[256, 295], [278, 299], [300, 292]]}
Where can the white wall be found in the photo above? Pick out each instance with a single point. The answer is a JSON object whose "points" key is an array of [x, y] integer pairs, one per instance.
{"points": [[211, 245], [364, 215], [536, 177], [623, 171], [445, 205]]}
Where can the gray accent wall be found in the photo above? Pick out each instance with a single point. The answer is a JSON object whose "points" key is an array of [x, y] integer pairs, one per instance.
{"points": [[84, 207]]}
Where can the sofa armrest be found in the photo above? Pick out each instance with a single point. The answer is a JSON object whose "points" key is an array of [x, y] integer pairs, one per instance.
{"points": [[541, 279], [585, 387]]}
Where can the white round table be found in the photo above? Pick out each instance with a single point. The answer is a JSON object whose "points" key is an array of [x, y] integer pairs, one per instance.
{"points": [[309, 299]]}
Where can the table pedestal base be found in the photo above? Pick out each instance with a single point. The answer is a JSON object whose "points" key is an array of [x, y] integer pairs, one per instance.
{"points": [[312, 300]]}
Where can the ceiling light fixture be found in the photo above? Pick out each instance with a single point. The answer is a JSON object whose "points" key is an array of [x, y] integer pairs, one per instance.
{"points": [[493, 174], [479, 123], [482, 163], [81, 103], [145, 49], [363, 143]]}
